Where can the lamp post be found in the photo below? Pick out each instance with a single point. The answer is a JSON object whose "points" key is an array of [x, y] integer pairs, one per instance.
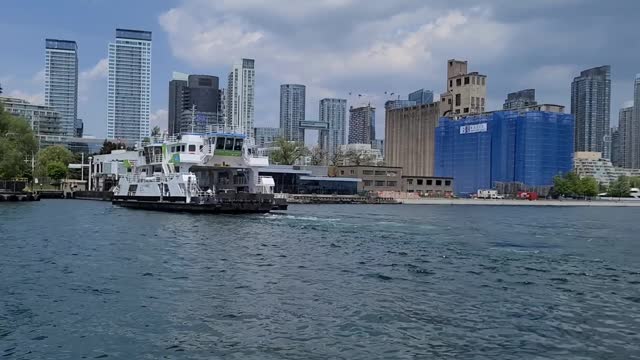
{"points": [[90, 169]]}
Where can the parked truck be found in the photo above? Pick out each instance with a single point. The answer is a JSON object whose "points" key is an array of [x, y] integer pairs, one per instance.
{"points": [[489, 194]]}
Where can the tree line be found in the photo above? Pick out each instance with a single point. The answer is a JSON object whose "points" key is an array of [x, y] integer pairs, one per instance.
{"points": [[289, 152], [572, 185]]}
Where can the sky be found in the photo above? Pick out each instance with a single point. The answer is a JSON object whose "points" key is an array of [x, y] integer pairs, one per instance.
{"points": [[334, 47]]}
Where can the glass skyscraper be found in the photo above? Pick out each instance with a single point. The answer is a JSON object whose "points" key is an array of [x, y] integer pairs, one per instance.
{"points": [[421, 96], [333, 112], [590, 104], [61, 81], [292, 111], [129, 85], [504, 146]]}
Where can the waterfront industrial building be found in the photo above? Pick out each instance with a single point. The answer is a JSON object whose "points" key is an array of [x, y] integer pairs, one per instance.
{"points": [[409, 138], [377, 179], [466, 92], [523, 147]]}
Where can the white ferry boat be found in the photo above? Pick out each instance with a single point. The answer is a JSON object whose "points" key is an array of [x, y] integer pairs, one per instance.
{"points": [[216, 172]]}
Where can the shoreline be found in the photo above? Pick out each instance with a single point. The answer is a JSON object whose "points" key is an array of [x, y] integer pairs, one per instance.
{"points": [[513, 202]]}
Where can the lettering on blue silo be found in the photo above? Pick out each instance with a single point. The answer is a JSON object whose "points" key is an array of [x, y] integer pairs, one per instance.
{"points": [[474, 128]]}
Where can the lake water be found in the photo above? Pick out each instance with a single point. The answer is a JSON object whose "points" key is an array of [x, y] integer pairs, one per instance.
{"points": [[84, 279]]}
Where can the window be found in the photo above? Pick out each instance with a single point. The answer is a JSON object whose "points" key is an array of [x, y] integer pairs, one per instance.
{"points": [[228, 144], [420, 182], [192, 148], [482, 81], [458, 99], [447, 182], [238, 145], [466, 80], [352, 172], [450, 83], [220, 144], [458, 82], [438, 182], [379, 183], [392, 183], [410, 181], [341, 172], [173, 149], [182, 148], [368, 183], [449, 101], [482, 101], [367, 172], [429, 182], [473, 80], [466, 110]]}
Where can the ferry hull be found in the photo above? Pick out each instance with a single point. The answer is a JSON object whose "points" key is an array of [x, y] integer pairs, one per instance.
{"points": [[230, 207]]}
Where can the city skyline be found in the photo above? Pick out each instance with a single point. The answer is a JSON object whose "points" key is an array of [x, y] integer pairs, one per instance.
{"points": [[550, 75]]}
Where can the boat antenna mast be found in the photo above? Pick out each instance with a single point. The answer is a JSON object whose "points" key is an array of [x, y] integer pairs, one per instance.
{"points": [[193, 118]]}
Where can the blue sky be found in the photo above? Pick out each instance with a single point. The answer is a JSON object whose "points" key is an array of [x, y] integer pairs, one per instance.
{"points": [[332, 46]]}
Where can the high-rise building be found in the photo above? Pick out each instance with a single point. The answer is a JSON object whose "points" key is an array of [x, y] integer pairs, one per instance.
{"points": [[409, 138], [625, 131], [129, 85], [635, 126], [362, 124], [292, 111], [199, 111], [520, 99], [466, 92], [616, 146], [240, 97], [512, 147], [265, 136], [421, 96], [177, 86], [61, 81], [333, 112], [590, 104]]}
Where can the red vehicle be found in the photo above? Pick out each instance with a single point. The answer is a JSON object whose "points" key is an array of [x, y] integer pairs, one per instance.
{"points": [[528, 195]]}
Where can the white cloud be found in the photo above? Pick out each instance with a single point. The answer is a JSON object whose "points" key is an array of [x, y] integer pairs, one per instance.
{"points": [[159, 118], [89, 77], [98, 71], [38, 78], [34, 98]]}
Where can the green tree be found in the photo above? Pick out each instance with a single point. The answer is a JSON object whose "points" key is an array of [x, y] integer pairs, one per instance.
{"points": [[155, 131], [358, 158], [52, 154], [588, 187], [634, 181], [109, 146], [287, 152], [318, 156], [56, 170], [17, 144], [561, 186], [620, 187]]}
